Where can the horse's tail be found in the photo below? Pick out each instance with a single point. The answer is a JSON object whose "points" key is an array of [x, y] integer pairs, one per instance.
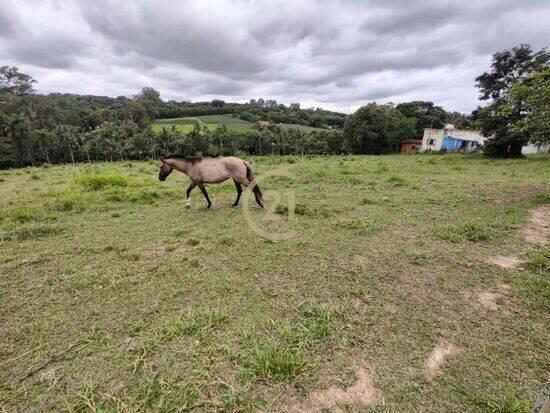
{"points": [[250, 177]]}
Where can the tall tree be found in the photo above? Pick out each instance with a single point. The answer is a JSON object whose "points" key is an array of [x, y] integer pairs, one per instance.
{"points": [[377, 129], [500, 117], [427, 115], [44, 140], [150, 99], [534, 94], [15, 83], [17, 129]]}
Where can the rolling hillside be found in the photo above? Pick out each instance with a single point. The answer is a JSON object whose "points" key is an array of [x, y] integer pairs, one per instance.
{"points": [[212, 121]]}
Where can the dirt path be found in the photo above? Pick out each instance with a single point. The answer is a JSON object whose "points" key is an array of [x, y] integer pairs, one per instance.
{"points": [[537, 230], [502, 261]]}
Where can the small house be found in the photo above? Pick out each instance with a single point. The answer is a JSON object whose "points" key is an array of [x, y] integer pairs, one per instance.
{"points": [[411, 146], [452, 140], [464, 140]]}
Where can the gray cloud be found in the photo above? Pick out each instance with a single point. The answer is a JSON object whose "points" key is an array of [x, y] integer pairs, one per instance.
{"points": [[7, 22], [336, 54]]}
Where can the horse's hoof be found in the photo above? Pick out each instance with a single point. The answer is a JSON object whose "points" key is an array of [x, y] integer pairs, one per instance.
{"points": [[234, 205], [187, 206]]}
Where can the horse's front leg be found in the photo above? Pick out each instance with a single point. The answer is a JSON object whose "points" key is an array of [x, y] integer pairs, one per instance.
{"points": [[188, 202], [203, 190]]}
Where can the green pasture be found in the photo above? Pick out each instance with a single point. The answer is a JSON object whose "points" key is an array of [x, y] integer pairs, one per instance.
{"points": [[116, 298]]}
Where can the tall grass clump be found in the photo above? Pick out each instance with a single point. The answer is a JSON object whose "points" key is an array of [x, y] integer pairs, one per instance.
{"points": [[95, 181], [32, 230], [274, 362], [538, 261], [470, 231]]}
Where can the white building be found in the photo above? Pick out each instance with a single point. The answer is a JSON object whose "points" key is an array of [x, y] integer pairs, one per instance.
{"points": [[451, 139]]}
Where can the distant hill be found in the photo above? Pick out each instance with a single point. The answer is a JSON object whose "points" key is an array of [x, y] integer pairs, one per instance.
{"points": [[211, 122]]}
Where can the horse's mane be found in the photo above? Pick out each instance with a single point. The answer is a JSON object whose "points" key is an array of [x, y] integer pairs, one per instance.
{"points": [[191, 159]]}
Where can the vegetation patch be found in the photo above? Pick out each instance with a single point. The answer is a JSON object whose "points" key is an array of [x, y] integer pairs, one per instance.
{"points": [[267, 326], [21, 215], [470, 231], [299, 209], [199, 322], [96, 181], [32, 230], [274, 362], [397, 180], [538, 261]]}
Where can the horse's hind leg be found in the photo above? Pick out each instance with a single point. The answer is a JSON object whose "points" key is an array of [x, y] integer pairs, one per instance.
{"points": [[258, 195], [187, 202], [203, 190], [255, 190], [239, 192]]}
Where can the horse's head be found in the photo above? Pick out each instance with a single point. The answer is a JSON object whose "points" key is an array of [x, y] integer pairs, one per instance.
{"points": [[165, 170]]}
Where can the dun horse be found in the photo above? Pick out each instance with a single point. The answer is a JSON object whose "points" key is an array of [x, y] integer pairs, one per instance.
{"points": [[211, 171]]}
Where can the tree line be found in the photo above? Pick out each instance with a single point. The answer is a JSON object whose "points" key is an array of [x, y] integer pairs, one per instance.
{"points": [[36, 128]]}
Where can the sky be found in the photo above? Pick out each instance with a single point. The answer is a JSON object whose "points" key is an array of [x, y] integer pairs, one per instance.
{"points": [[338, 55]]}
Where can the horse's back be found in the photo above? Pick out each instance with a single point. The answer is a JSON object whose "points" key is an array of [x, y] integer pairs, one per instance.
{"points": [[214, 170], [236, 168]]}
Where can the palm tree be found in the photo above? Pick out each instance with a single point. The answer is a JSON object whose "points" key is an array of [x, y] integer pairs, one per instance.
{"points": [[17, 129], [44, 140], [68, 137]]}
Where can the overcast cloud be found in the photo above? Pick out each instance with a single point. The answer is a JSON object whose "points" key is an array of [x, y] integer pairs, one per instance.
{"points": [[332, 54]]}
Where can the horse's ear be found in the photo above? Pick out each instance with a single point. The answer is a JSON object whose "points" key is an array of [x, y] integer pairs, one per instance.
{"points": [[162, 159]]}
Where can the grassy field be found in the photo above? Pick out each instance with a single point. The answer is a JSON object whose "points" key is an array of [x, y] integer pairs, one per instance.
{"points": [[114, 297], [212, 122]]}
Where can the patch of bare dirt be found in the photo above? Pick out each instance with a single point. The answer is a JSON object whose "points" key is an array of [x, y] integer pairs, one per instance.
{"points": [[335, 399], [359, 304], [537, 230], [502, 261], [492, 301], [437, 357]]}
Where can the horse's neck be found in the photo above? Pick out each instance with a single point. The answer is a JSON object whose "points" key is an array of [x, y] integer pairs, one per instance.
{"points": [[181, 165]]}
